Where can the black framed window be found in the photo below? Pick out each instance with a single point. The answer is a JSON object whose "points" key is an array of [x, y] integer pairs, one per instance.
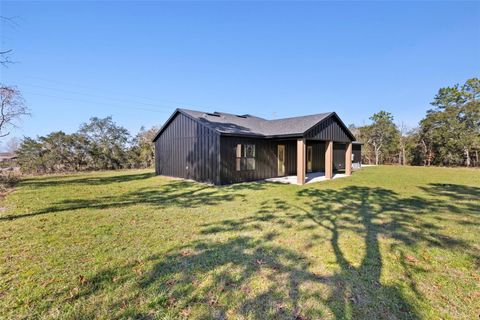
{"points": [[245, 157]]}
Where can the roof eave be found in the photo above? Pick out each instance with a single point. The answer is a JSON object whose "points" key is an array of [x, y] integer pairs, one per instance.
{"points": [[232, 134], [178, 110]]}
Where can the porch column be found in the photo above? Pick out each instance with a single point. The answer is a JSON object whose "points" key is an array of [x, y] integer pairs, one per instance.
{"points": [[328, 159], [348, 159], [301, 150]]}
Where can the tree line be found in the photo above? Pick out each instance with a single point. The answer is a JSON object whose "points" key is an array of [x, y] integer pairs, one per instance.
{"points": [[99, 144], [448, 135]]}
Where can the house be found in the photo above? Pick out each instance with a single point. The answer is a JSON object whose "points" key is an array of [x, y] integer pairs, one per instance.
{"points": [[222, 148], [7, 156]]}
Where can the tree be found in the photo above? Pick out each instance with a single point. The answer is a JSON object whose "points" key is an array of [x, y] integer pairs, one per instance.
{"points": [[451, 130], [12, 108], [64, 152], [4, 54], [30, 156], [4, 58], [55, 152], [381, 135], [99, 144], [403, 141], [106, 143], [142, 153]]}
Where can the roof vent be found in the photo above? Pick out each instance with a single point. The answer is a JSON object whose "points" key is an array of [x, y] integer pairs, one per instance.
{"points": [[215, 114], [243, 116]]}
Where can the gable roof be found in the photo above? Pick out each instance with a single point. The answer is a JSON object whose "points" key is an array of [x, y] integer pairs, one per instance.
{"points": [[248, 125]]}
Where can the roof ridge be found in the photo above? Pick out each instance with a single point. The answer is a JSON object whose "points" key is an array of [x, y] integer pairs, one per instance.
{"points": [[228, 123], [305, 116], [254, 116]]}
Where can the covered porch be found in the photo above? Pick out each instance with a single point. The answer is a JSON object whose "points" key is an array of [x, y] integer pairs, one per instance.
{"points": [[305, 160]]}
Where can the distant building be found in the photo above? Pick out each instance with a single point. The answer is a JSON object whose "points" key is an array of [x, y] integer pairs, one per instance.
{"points": [[7, 156]]}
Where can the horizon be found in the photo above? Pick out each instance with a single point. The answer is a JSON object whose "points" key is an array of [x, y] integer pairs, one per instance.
{"points": [[138, 62]]}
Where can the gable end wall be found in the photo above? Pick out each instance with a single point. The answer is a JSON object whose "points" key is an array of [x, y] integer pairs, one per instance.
{"points": [[188, 149], [330, 129]]}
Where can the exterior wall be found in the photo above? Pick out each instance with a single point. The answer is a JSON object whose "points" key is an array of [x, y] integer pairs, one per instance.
{"points": [[330, 129], [338, 156], [266, 165], [318, 155], [187, 149], [357, 153]]}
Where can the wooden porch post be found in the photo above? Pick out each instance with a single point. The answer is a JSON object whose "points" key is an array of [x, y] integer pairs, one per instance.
{"points": [[301, 161], [329, 159], [348, 159]]}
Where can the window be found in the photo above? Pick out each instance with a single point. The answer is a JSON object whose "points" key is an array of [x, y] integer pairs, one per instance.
{"points": [[245, 157]]}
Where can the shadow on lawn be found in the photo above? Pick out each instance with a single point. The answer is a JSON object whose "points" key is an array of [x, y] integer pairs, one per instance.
{"points": [[176, 193], [467, 196], [249, 266], [54, 181], [246, 266], [354, 291]]}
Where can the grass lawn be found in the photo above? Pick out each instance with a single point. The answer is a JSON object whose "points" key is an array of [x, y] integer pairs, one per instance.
{"points": [[386, 243]]}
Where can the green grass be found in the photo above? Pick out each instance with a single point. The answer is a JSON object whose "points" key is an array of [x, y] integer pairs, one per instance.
{"points": [[386, 243]]}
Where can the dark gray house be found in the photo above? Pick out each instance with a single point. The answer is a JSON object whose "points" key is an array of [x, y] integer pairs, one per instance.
{"points": [[222, 148]]}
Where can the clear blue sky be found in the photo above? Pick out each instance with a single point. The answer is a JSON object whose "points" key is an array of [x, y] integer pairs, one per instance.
{"points": [[139, 61]]}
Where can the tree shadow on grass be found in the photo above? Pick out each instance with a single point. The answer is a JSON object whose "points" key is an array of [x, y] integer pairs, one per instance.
{"points": [[289, 287], [247, 267], [176, 193], [356, 291], [84, 180], [463, 199]]}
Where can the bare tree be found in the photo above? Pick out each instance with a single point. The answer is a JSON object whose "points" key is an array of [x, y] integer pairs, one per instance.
{"points": [[403, 130], [5, 54], [4, 58], [12, 108], [12, 145]]}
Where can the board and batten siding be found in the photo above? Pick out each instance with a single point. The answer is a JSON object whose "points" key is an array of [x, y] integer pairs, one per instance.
{"points": [[339, 156], [188, 149], [318, 155], [357, 153], [330, 129], [266, 165]]}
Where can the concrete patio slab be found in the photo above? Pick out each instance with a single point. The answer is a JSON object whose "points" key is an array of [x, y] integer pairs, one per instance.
{"points": [[309, 178]]}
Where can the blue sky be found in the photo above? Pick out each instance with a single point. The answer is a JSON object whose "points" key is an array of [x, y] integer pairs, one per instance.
{"points": [[138, 61]]}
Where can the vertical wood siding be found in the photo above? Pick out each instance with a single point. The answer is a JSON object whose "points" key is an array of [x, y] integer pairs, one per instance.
{"points": [[266, 165], [339, 156], [187, 149], [331, 129], [318, 155], [357, 153]]}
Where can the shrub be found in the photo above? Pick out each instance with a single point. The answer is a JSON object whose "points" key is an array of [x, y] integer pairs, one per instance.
{"points": [[8, 179]]}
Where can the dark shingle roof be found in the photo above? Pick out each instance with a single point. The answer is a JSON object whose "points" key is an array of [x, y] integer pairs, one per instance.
{"points": [[227, 123], [248, 125]]}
